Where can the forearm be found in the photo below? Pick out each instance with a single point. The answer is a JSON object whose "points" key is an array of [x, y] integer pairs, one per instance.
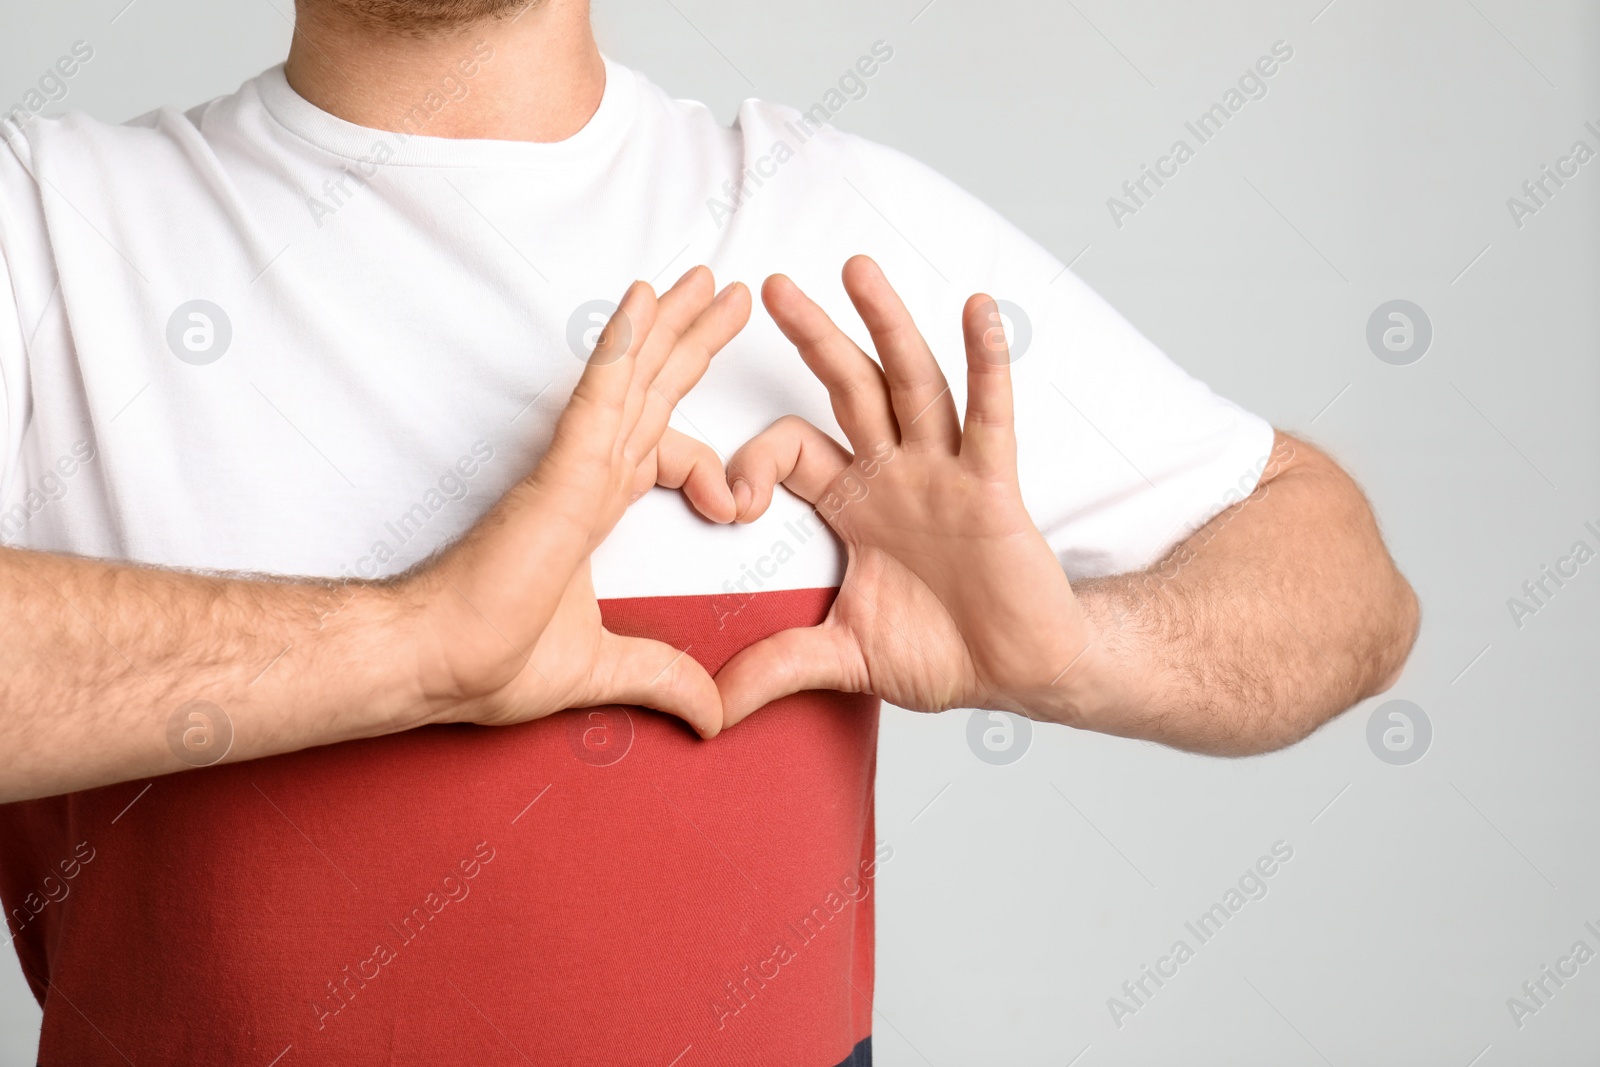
{"points": [[1280, 613], [96, 657]]}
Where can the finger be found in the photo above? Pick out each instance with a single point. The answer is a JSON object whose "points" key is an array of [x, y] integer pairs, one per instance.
{"points": [[653, 674], [923, 407], [680, 305], [855, 384], [791, 451], [713, 328], [676, 309], [690, 465], [989, 437], [587, 432], [590, 424], [608, 374], [790, 661]]}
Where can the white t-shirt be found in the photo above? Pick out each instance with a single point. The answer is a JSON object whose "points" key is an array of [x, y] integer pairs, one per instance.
{"points": [[397, 338]]}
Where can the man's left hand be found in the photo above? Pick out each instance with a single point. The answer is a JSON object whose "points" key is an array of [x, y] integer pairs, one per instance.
{"points": [[951, 597]]}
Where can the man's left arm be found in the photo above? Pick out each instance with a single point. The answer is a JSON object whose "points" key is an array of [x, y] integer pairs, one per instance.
{"points": [[1275, 616]]}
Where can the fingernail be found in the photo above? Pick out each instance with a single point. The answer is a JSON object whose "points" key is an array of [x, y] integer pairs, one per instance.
{"points": [[726, 289], [742, 495], [686, 275]]}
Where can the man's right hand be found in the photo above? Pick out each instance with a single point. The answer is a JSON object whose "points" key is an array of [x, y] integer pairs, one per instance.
{"points": [[102, 662], [508, 622]]}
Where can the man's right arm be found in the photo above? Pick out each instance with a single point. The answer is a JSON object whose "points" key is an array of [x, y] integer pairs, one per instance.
{"points": [[97, 658]]}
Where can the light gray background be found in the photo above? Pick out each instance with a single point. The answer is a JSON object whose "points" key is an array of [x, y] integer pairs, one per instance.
{"points": [[1020, 897]]}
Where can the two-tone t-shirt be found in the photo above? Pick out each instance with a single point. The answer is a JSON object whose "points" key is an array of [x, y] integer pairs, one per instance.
{"points": [[255, 337]]}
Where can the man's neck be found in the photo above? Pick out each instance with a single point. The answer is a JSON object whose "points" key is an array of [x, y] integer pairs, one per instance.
{"points": [[533, 77]]}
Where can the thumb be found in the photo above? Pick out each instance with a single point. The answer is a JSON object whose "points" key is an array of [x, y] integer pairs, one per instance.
{"points": [[790, 661], [653, 674]]}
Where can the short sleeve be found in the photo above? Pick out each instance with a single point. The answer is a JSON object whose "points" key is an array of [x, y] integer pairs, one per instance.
{"points": [[18, 200], [1121, 453]]}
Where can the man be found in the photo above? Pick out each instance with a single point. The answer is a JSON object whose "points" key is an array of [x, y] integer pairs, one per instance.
{"points": [[339, 324]]}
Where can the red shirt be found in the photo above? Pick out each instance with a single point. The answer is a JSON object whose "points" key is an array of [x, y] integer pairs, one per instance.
{"points": [[597, 887]]}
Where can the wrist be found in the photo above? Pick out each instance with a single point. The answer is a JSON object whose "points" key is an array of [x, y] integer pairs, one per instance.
{"points": [[424, 609], [1082, 695], [1111, 682], [377, 645]]}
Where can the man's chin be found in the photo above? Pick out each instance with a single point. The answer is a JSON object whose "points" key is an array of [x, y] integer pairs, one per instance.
{"points": [[417, 18]]}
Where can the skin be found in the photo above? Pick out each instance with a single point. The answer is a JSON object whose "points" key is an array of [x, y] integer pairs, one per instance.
{"points": [[1278, 614], [367, 62], [503, 627]]}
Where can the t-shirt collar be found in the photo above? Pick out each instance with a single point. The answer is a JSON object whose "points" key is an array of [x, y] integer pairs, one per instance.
{"points": [[397, 148]]}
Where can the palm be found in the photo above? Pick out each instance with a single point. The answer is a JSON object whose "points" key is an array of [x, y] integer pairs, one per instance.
{"points": [[563, 670], [937, 617], [912, 651]]}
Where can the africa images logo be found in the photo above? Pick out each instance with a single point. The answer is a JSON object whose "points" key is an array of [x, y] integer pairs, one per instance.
{"points": [[998, 738], [199, 332], [1399, 732]]}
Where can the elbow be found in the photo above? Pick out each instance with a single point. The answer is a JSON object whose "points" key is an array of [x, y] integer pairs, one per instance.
{"points": [[1371, 613], [1388, 645], [1375, 663], [1400, 636]]}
